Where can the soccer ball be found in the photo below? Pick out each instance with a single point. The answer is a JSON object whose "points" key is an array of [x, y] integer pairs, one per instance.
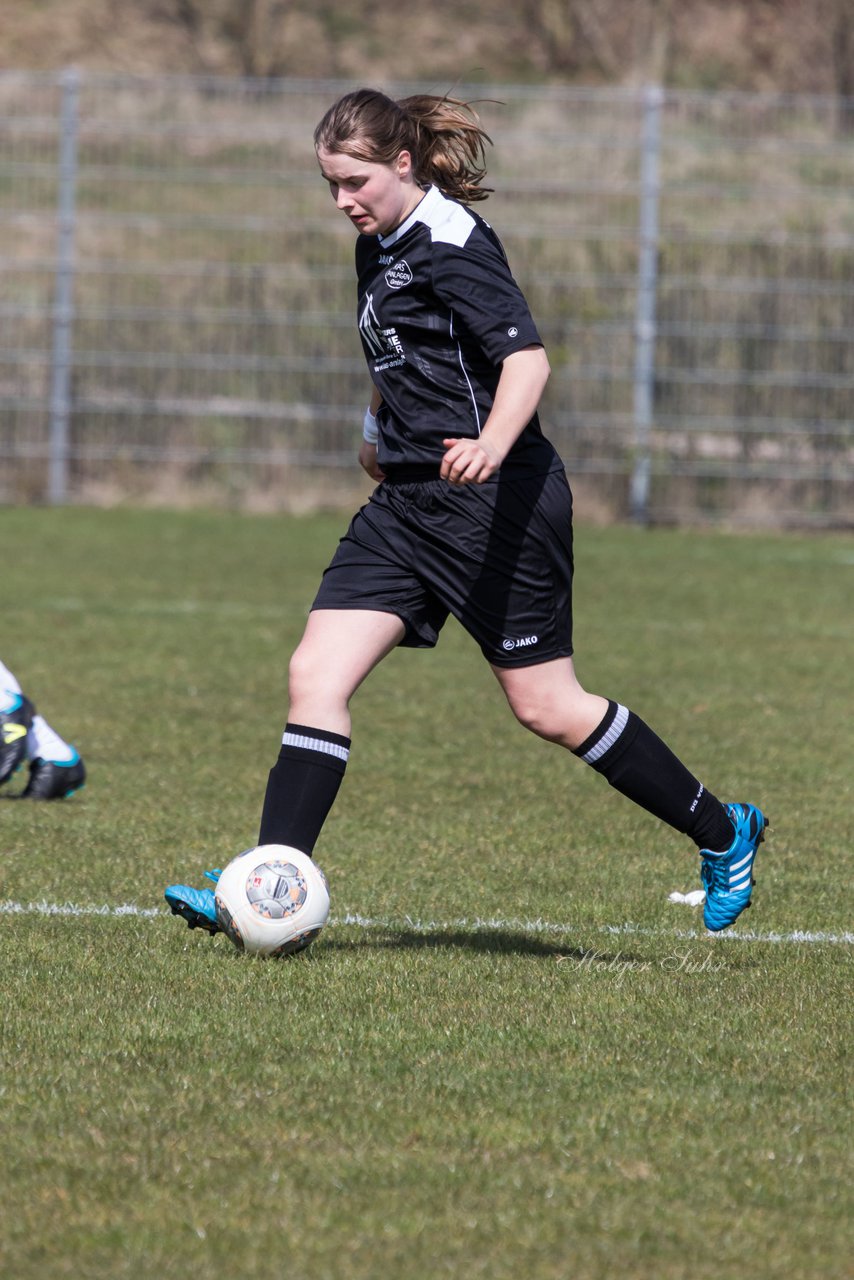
{"points": [[272, 900]]}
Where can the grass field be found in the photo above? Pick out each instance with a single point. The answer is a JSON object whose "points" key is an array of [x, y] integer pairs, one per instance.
{"points": [[509, 1055]]}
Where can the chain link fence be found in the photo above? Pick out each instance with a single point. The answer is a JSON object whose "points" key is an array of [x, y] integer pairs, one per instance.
{"points": [[177, 306]]}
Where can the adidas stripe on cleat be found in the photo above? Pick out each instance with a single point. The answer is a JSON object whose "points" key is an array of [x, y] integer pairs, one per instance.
{"points": [[728, 877]]}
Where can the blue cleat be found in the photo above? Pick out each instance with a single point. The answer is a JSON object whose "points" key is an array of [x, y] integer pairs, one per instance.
{"points": [[728, 877], [196, 906]]}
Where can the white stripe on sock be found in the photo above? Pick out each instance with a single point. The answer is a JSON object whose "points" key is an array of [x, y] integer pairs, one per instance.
{"points": [[609, 737], [315, 744]]}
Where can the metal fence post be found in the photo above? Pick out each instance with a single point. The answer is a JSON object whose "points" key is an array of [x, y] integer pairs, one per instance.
{"points": [[645, 305], [63, 305]]}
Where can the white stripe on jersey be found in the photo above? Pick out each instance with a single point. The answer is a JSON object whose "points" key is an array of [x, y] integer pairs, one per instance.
{"points": [[466, 376]]}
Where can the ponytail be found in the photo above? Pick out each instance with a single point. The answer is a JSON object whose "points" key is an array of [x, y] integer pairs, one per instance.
{"points": [[450, 147]]}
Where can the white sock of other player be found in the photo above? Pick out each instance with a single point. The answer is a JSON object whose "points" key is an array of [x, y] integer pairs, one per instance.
{"points": [[44, 743]]}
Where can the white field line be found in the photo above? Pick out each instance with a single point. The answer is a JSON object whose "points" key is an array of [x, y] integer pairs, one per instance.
{"points": [[474, 924]]}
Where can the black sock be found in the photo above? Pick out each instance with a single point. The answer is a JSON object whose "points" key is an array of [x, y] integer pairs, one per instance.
{"points": [[302, 786], [638, 764]]}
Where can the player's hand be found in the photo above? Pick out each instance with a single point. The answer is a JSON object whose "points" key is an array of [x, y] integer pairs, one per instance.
{"points": [[469, 461], [368, 461]]}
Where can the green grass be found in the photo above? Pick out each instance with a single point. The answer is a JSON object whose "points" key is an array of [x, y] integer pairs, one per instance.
{"points": [[448, 1087]]}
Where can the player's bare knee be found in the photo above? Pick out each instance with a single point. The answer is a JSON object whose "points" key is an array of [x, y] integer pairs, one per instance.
{"points": [[305, 676], [535, 716], [566, 721]]}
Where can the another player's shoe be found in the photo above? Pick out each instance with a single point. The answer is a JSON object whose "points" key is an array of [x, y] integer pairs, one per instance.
{"points": [[15, 724], [728, 877], [196, 906], [54, 779]]}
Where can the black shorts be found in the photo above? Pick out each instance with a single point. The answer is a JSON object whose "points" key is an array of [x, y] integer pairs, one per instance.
{"points": [[497, 556]]}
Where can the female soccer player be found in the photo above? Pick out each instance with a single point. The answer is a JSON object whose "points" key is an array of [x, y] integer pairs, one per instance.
{"points": [[472, 514]]}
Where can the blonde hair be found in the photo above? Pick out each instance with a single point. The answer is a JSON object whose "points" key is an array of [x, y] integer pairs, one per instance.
{"points": [[443, 135]]}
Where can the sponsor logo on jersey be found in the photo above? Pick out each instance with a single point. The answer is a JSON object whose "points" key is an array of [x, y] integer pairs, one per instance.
{"points": [[523, 642], [513, 332], [369, 326], [398, 275], [386, 259]]}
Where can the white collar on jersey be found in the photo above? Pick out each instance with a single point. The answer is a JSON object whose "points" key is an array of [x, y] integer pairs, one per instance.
{"points": [[448, 221]]}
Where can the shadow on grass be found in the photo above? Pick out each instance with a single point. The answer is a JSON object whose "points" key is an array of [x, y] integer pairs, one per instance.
{"points": [[66, 804], [492, 941]]}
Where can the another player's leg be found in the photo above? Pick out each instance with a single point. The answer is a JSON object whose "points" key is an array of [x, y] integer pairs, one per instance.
{"points": [[616, 743], [339, 648], [56, 769]]}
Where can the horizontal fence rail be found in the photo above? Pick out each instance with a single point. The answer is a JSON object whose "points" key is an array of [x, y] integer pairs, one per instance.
{"points": [[177, 309]]}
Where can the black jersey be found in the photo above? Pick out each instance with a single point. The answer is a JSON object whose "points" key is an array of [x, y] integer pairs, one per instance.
{"points": [[438, 312]]}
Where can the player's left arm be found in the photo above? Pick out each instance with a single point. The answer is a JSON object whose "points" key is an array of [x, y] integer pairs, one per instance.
{"points": [[524, 375]]}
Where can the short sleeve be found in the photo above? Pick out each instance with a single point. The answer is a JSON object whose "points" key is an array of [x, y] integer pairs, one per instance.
{"points": [[475, 281]]}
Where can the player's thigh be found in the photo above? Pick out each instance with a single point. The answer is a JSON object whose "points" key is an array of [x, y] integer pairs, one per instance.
{"points": [[339, 648]]}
